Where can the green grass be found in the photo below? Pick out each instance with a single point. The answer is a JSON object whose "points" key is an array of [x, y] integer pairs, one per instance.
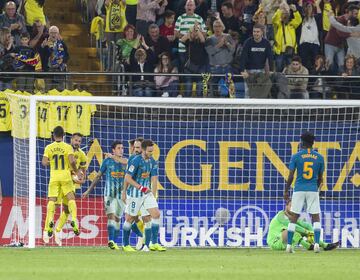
{"points": [[102, 263]]}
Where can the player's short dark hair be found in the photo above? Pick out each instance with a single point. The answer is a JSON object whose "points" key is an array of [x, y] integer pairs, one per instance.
{"points": [[58, 132], [115, 143], [139, 139], [147, 143], [77, 134], [132, 142], [307, 138]]}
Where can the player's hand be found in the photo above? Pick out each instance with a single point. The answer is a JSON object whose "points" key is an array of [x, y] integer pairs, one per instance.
{"points": [[144, 190], [85, 194], [286, 196], [108, 155], [310, 237], [123, 197]]}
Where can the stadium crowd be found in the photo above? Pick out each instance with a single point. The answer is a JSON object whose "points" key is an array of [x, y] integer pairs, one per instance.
{"points": [[264, 41]]}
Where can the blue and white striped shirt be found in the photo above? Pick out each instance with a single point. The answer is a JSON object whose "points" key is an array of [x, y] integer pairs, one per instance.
{"points": [[141, 171], [114, 172]]}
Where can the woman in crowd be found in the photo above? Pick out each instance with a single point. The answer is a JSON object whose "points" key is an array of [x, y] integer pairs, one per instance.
{"points": [[166, 85]]}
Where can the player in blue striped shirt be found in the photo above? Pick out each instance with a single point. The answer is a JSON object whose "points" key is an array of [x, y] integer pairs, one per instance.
{"points": [[138, 226], [114, 168], [309, 165], [142, 176]]}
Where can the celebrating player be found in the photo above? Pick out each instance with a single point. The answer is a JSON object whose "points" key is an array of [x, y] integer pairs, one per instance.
{"points": [[142, 176], [138, 225], [114, 169], [277, 236], [309, 165], [60, 157], [81, 161]]}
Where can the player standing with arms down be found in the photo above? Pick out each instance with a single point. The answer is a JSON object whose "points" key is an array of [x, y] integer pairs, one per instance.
{"points": [[309, 165], [142, 176], [114, 169], [60, 157]]}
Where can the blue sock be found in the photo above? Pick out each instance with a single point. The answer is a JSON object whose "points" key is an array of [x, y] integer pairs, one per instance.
{"points": [[147, 235], [136, 230], [290, 235], [126, 233], [317, 230], [111, 229], [154, 231]]}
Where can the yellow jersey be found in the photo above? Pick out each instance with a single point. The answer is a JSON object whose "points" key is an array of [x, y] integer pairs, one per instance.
{"points": [[20, 111], [115, 17], [58, 155], [43, 118], [34, 12], [58, 111], [81, 162], [5, 117], [79, 117]]}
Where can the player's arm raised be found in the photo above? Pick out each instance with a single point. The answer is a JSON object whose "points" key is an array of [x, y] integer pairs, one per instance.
{"points": [[131, 181], [92, 185]]}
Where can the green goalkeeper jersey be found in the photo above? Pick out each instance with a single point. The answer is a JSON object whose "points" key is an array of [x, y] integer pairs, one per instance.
{"points": [[280, 222]]}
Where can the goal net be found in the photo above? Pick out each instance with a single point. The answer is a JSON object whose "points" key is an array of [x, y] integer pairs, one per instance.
{"points": [[222, 164]]}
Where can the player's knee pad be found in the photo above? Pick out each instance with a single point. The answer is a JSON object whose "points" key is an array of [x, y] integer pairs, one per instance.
{"points": [[148, 224], [111, 223], [117, 226], [127, 225], [155, 221]]}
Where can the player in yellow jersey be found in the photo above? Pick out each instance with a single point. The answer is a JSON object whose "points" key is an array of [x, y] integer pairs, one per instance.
{"points": [[81, 162], [60, 157]]}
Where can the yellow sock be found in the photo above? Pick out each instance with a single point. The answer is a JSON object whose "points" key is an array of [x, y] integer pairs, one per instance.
{"points": [[46, 224], [49, 214], [62, 221], [140, 226], [72, 209]]}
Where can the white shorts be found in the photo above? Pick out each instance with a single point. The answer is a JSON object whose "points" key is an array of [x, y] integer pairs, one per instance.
{"points": [[136, 204], [114, 206], [307, 200]]}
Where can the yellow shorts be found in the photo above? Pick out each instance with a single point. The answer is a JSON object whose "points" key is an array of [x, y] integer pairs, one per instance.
{"points": [[58, 188]]}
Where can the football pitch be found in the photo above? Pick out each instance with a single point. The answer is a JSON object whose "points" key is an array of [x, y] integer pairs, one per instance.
{"points": [[102, 263]]}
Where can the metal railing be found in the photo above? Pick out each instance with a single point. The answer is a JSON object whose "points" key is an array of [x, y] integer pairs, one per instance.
{"points": [[119, 82]]}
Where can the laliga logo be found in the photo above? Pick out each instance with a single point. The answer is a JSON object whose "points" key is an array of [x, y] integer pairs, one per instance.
{"points": [[252, 217]]}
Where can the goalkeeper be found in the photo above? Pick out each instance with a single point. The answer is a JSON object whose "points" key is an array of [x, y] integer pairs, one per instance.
{"points": [[277, 236]]}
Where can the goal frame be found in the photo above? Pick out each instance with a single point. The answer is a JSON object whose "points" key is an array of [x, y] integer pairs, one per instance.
{"points": [[148, 102]]}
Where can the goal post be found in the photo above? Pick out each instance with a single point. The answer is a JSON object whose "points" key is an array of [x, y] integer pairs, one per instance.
{"points": [[222, 166]]}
